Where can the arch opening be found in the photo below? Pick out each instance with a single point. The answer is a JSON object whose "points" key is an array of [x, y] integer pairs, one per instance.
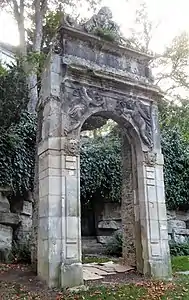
{"points": [[105, 216]]}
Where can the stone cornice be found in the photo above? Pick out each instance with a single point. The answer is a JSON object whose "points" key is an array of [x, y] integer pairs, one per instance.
{"points": [[103, 44]]}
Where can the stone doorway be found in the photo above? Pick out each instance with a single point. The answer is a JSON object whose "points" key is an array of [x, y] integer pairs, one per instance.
{"points": [[84, 77]]}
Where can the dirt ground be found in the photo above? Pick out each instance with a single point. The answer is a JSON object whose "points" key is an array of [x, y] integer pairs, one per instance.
{"points": [[20, 282]]}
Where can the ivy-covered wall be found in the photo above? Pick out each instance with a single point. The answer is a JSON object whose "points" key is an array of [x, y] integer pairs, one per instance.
{"points": [[17, 134]]}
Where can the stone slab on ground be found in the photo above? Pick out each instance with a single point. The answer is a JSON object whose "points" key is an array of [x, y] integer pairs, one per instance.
{"points": [[183, 272], [95, 271], [87, 275], [110, 271], [122, 269]]}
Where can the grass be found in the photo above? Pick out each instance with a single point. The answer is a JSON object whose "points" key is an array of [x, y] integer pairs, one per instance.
{"points": [[100, 260], [180, 263], [110, 293]]}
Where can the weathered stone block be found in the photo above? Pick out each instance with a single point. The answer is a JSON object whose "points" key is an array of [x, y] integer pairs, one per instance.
{"points": [[181, 231], [71, 275], [5, 237], [23, 232], [175, 224], [171, 215], [104, 239], [27, 208], [109, 225], [9, 218], [4, 204]]}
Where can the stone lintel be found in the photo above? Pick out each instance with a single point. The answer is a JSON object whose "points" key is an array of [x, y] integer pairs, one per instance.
{"points": [[121, 80]]}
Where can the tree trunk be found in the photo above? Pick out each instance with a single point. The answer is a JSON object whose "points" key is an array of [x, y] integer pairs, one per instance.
{"points": [[40, 10]]}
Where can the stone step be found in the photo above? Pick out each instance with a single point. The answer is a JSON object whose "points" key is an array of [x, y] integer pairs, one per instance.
{"points": [[91, 246]]}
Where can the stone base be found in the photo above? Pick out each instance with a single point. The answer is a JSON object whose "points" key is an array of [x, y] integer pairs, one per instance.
{"points": [[71, 275], [49, 272], [160, 270]]}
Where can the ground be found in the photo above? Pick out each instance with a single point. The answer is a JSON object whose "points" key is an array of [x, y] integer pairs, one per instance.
{"points": [[17, 281]]}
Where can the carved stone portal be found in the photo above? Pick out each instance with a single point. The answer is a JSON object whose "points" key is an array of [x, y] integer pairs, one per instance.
{"points": [[85, 78]]}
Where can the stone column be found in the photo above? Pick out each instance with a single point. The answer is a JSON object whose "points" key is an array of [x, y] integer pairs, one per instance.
{"points": [[59, 237]]}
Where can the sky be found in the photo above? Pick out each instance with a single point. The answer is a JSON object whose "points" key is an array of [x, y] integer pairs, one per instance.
{"points": [[171, 14]]}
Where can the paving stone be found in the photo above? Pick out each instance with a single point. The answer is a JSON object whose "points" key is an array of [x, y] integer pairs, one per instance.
{"points": [[96, 270], [122, 269], [87, 275]]}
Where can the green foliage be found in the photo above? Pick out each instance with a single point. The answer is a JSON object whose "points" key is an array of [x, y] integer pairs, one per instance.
{"points": [[51, 23], [180, 263], [13, 96], [101, 169], [179, 249], [17, 149], [172, 115], [176, 168], [21, 253], [18, 130], [3, 71], [114, 246], [105, 34]]}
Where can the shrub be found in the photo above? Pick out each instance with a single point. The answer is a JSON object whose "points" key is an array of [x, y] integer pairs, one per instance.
{"points": [[114, 246], [21, 252], [179, 249]]}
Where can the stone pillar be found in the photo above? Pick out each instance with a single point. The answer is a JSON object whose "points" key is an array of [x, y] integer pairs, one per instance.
{"points": [[59, 237], [153, 216], [154, 219], [71, 268]]}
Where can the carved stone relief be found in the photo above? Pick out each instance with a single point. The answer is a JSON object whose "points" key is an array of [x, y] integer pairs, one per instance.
{"points": [[72, 147], [103, 20], [140, 115], [57, 46], [150, 158], [83, 99]]}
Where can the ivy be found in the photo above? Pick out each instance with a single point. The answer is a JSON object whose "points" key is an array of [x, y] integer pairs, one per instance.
{"points": [[101, 169], [13, 96], [176, 168], [17, 150], [18, 130]]}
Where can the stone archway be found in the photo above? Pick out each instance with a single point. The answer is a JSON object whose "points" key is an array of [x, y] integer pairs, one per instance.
{"points": [[85, 76]]}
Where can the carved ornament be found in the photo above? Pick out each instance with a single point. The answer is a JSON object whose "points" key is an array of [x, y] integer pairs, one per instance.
{"points": [[150, 158], [140, 115], [57, 46], [82, 100], [102, 21], [72, 147]]}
